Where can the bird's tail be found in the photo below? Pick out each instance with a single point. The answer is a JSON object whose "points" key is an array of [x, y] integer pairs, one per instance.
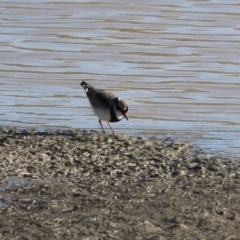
{"points": [[86, 86]]}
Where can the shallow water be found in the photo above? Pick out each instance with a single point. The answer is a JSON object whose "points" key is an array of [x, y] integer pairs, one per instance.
{"points": [[175, 62], [12, 182]]}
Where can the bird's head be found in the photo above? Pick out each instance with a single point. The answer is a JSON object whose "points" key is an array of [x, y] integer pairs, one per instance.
{"points": [[122, 106]]}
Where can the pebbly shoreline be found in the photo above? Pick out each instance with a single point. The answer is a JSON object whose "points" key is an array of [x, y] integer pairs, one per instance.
{"points": [[78, 184]]}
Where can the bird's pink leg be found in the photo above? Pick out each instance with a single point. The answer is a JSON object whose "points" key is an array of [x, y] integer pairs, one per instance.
{"points": [[111, 128], [100, 122]]}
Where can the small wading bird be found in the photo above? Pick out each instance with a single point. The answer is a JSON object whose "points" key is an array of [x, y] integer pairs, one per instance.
{"points": [[106, 105]]}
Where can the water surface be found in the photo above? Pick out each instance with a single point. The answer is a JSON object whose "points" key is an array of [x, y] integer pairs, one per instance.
{"points": [[177, 63]]}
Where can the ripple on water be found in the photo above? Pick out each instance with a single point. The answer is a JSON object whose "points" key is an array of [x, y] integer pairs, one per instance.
{"points": [[177, 64]]}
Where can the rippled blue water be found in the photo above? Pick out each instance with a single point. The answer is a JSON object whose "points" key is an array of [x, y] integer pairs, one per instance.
{"points": [[176, 62]]}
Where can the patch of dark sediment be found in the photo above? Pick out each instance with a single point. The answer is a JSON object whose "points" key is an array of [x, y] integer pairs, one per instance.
{"points": [[77, 184]]}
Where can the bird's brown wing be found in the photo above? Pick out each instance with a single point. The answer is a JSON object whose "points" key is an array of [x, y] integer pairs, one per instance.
{"points": [[101, 98]]}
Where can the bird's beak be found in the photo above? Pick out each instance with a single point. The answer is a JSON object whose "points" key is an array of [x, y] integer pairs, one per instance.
{"points": [[125, 115]]}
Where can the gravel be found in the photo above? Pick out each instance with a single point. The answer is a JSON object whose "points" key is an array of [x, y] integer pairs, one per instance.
{"points": [[78, 184]]}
